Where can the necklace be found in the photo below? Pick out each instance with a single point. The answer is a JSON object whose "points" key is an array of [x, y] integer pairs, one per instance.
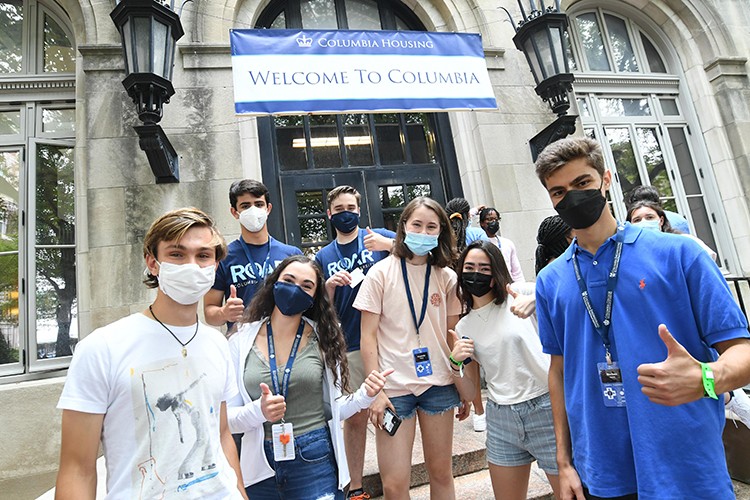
{"points": [[183, 344]]}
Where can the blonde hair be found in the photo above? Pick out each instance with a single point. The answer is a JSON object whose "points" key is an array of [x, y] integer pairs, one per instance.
{"points": [[172, 226]]}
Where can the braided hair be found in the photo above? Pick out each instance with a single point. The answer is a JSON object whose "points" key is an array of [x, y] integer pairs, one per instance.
{"points": [[552, 239], [458, 213]]}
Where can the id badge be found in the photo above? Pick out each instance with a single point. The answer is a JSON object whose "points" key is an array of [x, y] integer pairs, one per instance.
{"points": [[422, 362], [357, 276], [610, 378], [283, 441]]}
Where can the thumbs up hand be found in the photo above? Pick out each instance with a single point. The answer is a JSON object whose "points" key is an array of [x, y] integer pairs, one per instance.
{"points": [[523, 305], [233, 307], [463, 348], [375, 382], [674, 381], [377, 242], [273, 407]]}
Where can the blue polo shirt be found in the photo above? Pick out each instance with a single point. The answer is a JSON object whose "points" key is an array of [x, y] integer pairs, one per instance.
{"points": [[333, 258], [657, 451], [236, 269]]}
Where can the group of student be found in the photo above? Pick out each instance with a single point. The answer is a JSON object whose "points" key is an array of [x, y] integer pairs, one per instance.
{"points": [[384, 326]]}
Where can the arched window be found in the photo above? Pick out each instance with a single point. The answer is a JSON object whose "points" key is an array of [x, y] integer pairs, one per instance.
{"points": [[630, 98], [38, 303], [389, 157]]}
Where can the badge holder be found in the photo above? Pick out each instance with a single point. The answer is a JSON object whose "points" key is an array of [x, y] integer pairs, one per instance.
{"points": [[610, 378], [283, 441], [422, 362]]}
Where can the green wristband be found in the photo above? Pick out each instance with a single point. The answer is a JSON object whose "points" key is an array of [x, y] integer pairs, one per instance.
{"points": [[457, 363], [707, 375]]}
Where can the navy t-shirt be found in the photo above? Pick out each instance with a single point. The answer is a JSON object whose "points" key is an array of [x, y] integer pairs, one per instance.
{"points": [[245, 273], [333, 258]]}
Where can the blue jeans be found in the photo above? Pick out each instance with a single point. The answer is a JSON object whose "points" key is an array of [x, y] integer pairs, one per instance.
{"points": [[312, 474], [434, 401]]}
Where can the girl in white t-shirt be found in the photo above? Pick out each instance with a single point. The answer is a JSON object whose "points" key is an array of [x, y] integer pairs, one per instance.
{"points": [[408, 303], [519, 412]]}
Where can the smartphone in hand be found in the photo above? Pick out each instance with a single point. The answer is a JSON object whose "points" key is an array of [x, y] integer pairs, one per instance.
{"points": [[391, 421]]}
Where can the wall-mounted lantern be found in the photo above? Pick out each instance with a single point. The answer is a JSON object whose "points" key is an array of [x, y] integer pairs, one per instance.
{"points": [[542, 36], [149, 31]]}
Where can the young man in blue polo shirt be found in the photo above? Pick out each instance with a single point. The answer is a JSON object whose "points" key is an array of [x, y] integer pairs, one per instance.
{"points": [[629, 317], [250, 258], [344, 262]]}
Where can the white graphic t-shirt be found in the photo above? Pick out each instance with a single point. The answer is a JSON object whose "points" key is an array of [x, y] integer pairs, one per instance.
{"points": [[161, 410]]}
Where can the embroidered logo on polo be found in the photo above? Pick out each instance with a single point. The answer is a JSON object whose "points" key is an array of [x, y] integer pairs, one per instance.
{"points": [[642, 284], [436, 299]]}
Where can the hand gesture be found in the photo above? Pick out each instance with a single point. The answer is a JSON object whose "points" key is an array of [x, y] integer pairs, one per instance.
{"points": [[674, 381], [377, 242], [375, 382], [341, 278], [273, 407], [233, 307], [462, 348], [523, 305]]}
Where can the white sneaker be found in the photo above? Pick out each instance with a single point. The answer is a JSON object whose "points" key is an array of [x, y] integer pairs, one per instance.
{"points": [[739, 406], [480, 422]]}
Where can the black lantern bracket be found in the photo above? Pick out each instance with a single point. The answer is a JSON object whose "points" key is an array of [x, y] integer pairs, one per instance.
{"points": [[149, 30], [542, 36]]}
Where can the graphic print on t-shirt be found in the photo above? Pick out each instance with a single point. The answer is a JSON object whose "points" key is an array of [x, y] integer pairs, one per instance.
{"points": [[177, 429]]}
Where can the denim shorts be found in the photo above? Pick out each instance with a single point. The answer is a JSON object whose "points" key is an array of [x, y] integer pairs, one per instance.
{"points": [[312, 474], [521, 433], [434, 401]]}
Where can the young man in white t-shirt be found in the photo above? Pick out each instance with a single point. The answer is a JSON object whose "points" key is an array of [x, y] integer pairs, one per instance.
{"points": [[152, 386]]}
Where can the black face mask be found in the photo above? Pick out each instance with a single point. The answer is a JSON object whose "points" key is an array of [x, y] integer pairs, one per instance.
{"points": [[477, 284], [493, 227], [581, 208]]}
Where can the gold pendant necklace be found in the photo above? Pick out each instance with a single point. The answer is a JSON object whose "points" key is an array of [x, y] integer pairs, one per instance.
{"points": [[184, 345]]}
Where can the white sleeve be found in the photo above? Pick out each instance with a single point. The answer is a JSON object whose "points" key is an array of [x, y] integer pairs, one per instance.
{"points": [[88, 383], [354, 403], [241, 417]]}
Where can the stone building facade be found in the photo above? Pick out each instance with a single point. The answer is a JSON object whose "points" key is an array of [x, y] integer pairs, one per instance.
{"points": [[662, 83]]}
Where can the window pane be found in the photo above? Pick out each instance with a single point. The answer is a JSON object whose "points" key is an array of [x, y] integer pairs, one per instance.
{"points": [[9, 170], [158, 59], [58, 120], [318, 14], [669, 107], [417, 190], [624, 156], [624, 107], [324, 139], [583, 107], [290, 142], [420, 137], [357, 139], [56, 307], [58, 49], [55, 196], [389, 139], [279, 22], [653, 159], [142, 32], [11, 36], [363, 15], [655, 62], [392, 196], [313, 230], [622, 49], [310, 203], [10, 122], [10, 340], [592, 42]]}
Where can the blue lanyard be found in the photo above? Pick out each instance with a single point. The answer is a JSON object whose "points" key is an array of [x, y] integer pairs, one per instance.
{"points": [[360, 247], [262, 273], [417, 324], [284, 389], [602, 328]]}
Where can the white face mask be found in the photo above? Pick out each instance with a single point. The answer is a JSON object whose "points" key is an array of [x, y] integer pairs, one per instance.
{"points": [[648, 224], [185, 283], [253, 219]]}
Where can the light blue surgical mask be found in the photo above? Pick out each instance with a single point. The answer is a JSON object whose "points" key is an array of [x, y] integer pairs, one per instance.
{"points": [[648, 224], [419, 243]]}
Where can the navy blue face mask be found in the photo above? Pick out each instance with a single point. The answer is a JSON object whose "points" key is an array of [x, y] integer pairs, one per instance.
{"points": [[291, 299], [346, 222]]}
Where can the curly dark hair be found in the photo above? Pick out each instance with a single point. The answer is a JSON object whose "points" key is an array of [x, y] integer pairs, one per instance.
{"points": [[330, 335], [500, 274], [458, 212], [552, 240]]}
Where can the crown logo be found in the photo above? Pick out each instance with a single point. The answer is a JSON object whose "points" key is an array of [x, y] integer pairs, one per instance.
{"points": [[304, 42]]}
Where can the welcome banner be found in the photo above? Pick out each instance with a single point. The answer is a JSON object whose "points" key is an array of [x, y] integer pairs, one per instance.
{"points": [[312, 71]]}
